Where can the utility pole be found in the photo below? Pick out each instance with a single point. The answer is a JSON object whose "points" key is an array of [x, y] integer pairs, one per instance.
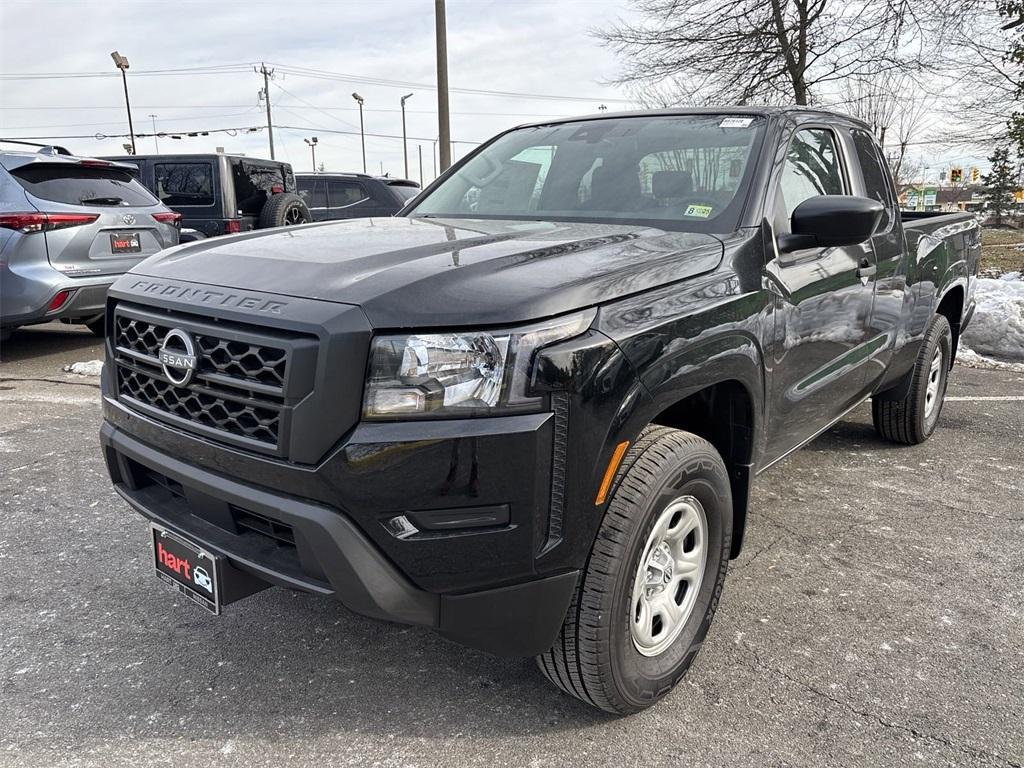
{"points": [[405, 152], [156, 141], [433, 155], [267, 74], [444, 130], [122, 63], [362, 131], [420, 148]]}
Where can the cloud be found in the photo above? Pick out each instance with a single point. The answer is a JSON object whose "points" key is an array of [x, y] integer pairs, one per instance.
{"points": [[531, 47]]}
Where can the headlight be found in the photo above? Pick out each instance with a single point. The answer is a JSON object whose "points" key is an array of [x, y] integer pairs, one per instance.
{"points": [[460, 373]]}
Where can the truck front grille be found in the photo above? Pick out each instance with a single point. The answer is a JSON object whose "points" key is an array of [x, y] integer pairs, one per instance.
{"points": [[258, 422], [242, 387]]}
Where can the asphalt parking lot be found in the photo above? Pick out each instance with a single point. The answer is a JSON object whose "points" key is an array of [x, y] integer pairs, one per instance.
{"points": [[874, 619]]}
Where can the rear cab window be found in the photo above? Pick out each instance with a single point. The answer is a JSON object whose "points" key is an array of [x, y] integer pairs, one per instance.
{"points": [[184, 183], [83, 185], [877, 179]]}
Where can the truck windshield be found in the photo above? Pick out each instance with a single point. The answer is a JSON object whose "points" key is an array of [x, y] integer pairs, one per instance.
{"points": [[686, 172]]}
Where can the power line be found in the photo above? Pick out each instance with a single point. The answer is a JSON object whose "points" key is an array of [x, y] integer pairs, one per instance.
{"points": [[374, 135], [162, 134], [213, 69], [367, 80], [322, 74], [112, 122]]}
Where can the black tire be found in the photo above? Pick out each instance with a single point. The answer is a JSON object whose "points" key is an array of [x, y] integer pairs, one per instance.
{"points": [[910, 421], [284, 210], [595, 657], [98, 327], [6, 333]]}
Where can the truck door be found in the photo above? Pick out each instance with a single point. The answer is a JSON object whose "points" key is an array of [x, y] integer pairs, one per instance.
{"points": [[822, 303], [889, 255]]}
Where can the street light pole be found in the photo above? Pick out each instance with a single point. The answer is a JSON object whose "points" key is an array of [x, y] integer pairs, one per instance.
{"points": [[405, 151], [122, 63], [156, 141], [362, 131], [420, 148], [444, 131], [312, 148]]}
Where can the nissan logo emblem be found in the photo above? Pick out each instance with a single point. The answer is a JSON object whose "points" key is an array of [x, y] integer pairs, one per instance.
{"points": [[128, 218], [178, 357]]}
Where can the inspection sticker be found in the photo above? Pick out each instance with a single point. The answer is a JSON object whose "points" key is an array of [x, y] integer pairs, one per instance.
{"points": [[702, 211], [736, 122]]}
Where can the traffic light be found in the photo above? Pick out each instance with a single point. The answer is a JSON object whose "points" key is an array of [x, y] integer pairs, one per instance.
{"points": [[956, 175], [975, 175]]}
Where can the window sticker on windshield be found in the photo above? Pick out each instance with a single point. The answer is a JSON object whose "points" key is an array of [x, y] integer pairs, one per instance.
{"points": [[736, 122], [701, 211]]}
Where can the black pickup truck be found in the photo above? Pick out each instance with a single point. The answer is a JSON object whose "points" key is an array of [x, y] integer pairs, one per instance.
{"points": [[527, 412]]}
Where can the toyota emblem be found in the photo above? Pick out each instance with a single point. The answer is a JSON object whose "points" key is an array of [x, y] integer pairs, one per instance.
{"points": [[178, 357], [128, 218]]}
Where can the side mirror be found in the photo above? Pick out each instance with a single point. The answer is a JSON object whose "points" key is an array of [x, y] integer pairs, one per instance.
{"points": [[831, 221]]}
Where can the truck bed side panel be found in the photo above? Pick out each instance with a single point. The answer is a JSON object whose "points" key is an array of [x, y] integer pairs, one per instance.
{"points": [[942, 254]]}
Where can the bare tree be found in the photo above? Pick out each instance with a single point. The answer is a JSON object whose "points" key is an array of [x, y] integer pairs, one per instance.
{"points": [[984, 76], [766, 51], [877, 100], [909, 120]]}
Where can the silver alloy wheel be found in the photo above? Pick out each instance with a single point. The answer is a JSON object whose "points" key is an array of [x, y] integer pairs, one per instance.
{"points": [[931, 392], [669, 575]]}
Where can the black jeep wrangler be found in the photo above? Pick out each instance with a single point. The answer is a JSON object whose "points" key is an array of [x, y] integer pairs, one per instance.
{"points": [[219, 194]]}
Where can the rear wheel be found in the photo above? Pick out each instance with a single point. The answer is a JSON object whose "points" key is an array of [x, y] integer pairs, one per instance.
{"points": [[913, 419], [284, 210], [650, 589]]}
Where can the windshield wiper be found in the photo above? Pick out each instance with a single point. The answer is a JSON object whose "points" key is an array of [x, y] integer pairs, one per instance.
{"points": [[101, 201]]}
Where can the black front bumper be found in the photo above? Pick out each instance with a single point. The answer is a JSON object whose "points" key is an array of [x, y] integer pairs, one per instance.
{"points": [[303, 544]]}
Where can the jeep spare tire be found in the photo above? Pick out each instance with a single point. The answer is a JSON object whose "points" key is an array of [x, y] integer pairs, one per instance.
{"points": [[284, 210]]}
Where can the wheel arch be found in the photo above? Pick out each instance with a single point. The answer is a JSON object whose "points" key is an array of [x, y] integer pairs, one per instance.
{"points": [[724, 414], [716, 391], [951, 306]]}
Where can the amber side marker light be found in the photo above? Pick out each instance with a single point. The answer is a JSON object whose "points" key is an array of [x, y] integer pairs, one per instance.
{"points": [[609, 474]]}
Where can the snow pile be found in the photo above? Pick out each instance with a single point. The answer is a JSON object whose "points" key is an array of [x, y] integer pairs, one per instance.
{"points": [[969, 358], [997, 329], [88, 368]]}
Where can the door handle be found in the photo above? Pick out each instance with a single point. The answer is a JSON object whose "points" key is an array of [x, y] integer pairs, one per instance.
{"points": [[866, 268]]}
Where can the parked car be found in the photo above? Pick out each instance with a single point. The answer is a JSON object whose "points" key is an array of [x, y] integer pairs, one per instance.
{"points": [[69, 226], [353, 195], [220, 194], [528, 412]]}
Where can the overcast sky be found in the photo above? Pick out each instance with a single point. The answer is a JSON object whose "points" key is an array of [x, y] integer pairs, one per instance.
{"points": [[533, 47], [515, 46]]}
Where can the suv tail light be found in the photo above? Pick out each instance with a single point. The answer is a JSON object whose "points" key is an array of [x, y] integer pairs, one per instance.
{"points": [[45, 222], [169, 218], [58, 301], [232, 226]]}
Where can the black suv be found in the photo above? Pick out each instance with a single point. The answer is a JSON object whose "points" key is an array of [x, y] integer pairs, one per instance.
{"points": [[219, 194], [353, 195]]}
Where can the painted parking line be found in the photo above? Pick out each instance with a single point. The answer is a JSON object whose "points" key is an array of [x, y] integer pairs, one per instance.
{"points": [[1000, 398]]}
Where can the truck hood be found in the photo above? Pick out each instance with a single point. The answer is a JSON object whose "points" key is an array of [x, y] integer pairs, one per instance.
{"points": [[416, 272]]}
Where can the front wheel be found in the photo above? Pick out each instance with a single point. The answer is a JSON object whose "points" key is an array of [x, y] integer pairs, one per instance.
{"points": [[650, 589], [913, 419]]}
